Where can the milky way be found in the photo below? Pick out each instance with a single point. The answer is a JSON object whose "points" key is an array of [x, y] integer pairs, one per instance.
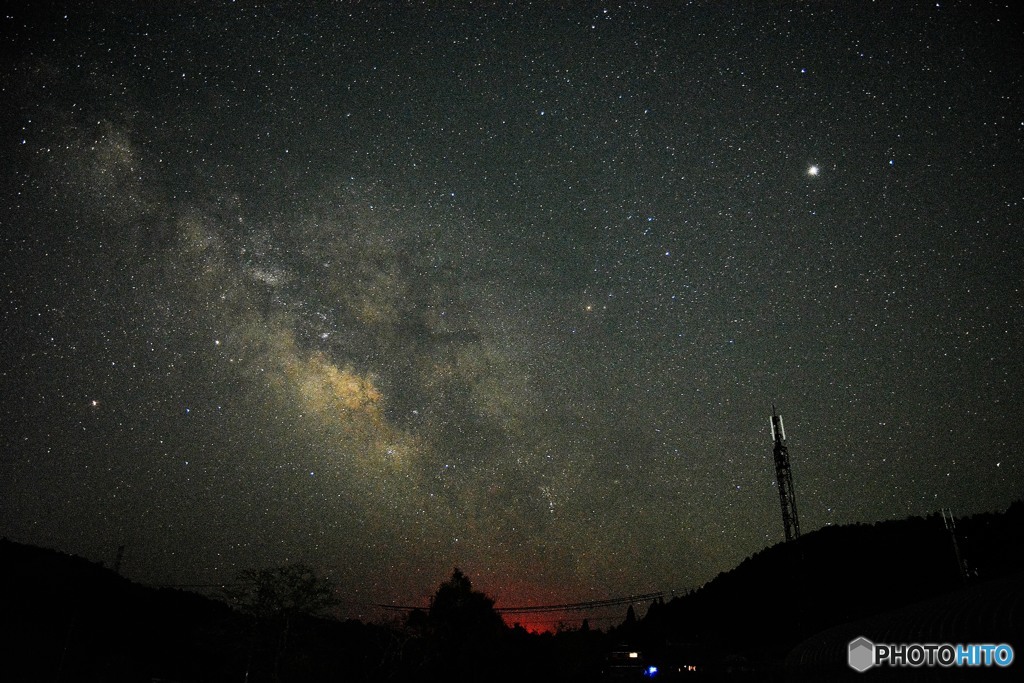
{"points": [[513, 289]]}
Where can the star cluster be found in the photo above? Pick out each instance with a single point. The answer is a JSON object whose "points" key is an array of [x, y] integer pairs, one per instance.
{"points": [[391, 289]]}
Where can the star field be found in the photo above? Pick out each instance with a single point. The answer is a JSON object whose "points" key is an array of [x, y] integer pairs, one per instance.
{"points": [[512, 288]]}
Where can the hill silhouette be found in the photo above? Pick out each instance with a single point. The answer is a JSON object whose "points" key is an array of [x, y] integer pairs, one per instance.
{"points": [[751, 616], [66, 618], [786, 613]]}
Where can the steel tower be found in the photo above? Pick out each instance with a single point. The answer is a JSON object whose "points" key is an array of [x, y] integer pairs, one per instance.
{"points": [[784, 475]]}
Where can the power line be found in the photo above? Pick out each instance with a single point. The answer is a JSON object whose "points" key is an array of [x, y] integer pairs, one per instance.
{"points": [[564, 607], [521, 609], [230, 584], [580, 606]]}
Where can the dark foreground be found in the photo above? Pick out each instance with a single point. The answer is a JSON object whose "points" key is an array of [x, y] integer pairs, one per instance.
{"points": [[786, 614]]}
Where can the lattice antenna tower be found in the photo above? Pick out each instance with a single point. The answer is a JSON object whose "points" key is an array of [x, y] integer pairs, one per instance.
{"points": [[784, 476], [961, 563]]}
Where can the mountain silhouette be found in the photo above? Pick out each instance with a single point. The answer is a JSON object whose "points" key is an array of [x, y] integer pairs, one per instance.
{"points": [[786, 613]]}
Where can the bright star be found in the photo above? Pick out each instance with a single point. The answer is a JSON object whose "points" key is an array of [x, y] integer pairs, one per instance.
{"points": [[813, 171]]}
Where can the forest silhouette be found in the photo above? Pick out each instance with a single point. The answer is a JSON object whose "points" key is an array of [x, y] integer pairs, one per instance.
{"points": [[785, 613]]}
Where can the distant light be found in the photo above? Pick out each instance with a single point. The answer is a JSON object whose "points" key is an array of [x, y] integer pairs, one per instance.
{"points": [[634, 655], [813, 171], [651, 671]]}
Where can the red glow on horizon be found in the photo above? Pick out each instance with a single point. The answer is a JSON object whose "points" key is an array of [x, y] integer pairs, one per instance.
{"points": [[533, 624], [519, 593]]}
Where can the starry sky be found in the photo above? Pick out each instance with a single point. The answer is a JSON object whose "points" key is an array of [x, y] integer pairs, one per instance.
{"points": [[390, 288]]}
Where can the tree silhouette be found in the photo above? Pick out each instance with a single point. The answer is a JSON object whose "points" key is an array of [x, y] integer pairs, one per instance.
{"points": [[276, 597], [282, 591], [462, 610], [465, 630]]}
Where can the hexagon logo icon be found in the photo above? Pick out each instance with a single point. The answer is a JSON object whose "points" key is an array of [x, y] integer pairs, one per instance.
{"points": [[861, 654]]}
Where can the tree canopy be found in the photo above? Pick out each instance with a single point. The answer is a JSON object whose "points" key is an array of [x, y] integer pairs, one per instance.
{"points": [[459, 608], [282, 591]]}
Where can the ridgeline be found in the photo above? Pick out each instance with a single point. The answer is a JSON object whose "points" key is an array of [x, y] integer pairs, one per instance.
{"points": [[786, 613]]}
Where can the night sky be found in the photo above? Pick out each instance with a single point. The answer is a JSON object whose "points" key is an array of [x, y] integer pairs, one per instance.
{"points": [[390, 289]]}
